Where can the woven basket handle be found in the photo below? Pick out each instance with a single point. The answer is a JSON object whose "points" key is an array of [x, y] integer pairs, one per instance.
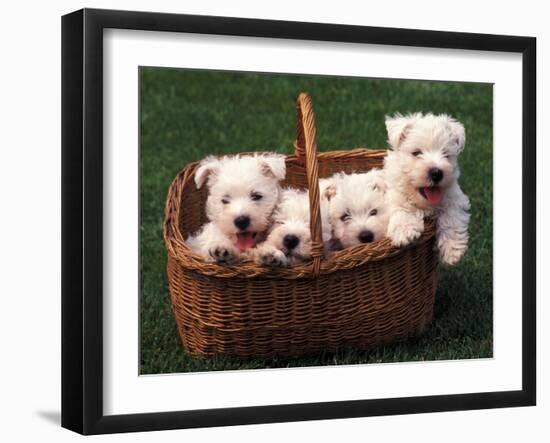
{"points": [[306, 151]]}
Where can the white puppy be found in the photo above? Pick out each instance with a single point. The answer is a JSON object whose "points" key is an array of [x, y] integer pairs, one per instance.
{"points": [[242, 194], [289, 240], [358, 210], [422, 175]]}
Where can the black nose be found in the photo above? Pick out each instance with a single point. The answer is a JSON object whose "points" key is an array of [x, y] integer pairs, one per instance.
{"points": [[366, 236], [435, 174], [290, 241], [242, 222]]}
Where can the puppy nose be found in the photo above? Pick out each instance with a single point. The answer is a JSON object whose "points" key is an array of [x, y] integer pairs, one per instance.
{"points": [[435, 174], [366, 236], [242, 221], [290, 241]]}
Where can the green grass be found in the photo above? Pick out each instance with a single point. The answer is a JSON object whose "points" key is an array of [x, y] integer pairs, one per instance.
{"points": [[185, 115]]}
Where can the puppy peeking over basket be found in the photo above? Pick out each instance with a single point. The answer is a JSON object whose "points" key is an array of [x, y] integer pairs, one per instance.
{"points": [[243, 192], [252, 218]]}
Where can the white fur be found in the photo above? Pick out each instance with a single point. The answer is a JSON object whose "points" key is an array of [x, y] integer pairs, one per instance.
{"points": [[437, 140], [291, 217], [356, 204], [237, 186]]}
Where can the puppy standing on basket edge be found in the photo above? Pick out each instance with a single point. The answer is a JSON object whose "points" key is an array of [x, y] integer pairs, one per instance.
{"points": [[242, 194], [422, 176]]}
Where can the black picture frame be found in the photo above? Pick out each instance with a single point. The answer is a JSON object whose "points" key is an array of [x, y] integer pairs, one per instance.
{"points": [[82, 219]]}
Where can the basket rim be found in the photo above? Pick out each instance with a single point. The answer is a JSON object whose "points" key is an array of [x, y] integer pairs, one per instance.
{"points": [[345, 259]]}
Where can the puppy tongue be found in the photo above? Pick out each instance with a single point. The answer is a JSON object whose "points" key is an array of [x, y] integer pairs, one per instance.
{"points": [[433, 194], [245, 241]]}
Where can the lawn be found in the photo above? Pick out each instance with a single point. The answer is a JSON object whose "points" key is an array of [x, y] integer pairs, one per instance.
{"points": [[187, 114]]}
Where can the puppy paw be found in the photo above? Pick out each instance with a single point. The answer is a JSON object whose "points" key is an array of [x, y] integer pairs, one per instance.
{"points": [[223, 253], [451, 252], [271, 256], [403, 234]]}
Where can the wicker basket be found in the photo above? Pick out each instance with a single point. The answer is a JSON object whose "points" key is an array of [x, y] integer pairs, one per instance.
{"points": [[361, 296]]}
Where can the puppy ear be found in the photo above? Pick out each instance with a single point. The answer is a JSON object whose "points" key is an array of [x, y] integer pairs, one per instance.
{"points": [[458, 134], [273, 166], [398, 127], [378, 181], [208, 168], [329, 191], [380, 185]]}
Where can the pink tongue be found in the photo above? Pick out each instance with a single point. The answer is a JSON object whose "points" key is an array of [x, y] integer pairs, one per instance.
{"points": [[245, 241], [433, 194]]}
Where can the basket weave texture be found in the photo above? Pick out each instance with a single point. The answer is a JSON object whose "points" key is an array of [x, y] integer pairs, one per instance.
{"points": [[362, 296]]}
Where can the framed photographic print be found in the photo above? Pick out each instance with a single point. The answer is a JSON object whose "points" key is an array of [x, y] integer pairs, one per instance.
{"points": [[269, 221]]}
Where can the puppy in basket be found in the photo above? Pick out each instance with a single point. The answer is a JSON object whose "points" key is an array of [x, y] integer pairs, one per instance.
{"points": [[358, 210], [289, 240], [243, 191], [422, 176]]}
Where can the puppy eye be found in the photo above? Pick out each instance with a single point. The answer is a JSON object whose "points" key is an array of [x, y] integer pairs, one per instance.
{"points": [[373, 212], [417, 153], [256, 196], [346, 216], [225, 201]]}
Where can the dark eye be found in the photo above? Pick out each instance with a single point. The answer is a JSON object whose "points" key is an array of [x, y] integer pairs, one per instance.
{"points": [[256, 196], [373, 212], [346, 216], [417, 153], [225, 200]]}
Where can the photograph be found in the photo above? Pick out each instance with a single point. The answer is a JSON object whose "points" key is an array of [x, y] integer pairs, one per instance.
{"points": [[296, 220], [270, 221]]}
